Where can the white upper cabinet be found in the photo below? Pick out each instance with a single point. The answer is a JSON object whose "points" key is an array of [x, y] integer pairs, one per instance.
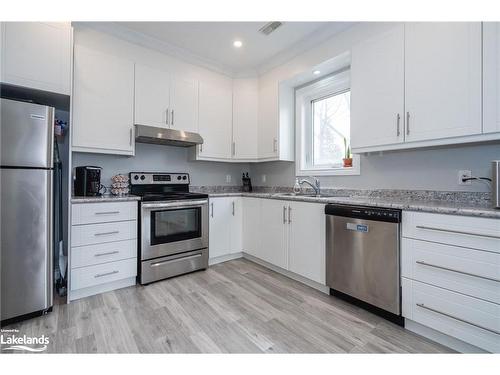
{"points": [[245, 109], [152, 96], [184, 104], [268, 121], [443, 80], [377, 89], [103, 103], [37, 55], [491, 77], [215, 121], [164, 100]]}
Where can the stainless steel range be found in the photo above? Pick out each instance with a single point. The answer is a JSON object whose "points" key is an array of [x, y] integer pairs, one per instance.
{"points": [[173, 226]]}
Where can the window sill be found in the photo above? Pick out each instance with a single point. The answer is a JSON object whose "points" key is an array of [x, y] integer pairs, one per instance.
{"points": [[329, 172]]}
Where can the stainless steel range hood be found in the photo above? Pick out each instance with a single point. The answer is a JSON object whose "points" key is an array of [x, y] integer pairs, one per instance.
{"points": [[163, 136]]}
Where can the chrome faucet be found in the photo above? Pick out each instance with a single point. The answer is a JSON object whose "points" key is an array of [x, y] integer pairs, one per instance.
{"points": [[315, 186]]}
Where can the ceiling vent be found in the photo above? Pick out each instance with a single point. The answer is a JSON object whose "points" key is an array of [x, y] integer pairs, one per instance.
{"points": [[268, 28]]}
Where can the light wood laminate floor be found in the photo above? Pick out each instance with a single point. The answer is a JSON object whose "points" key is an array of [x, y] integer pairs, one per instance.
{"points": [[233, 307]]}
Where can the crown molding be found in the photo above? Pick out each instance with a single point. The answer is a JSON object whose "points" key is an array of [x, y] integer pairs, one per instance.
{"points": [[135, 37], [312, 40]]}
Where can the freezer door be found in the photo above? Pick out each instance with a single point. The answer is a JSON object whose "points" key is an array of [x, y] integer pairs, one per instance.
{"points": [[26, 241], [27, 134]]}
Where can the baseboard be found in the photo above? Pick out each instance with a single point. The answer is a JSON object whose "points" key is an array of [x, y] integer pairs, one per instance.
{"points": [[224, 258], [441, 338], [291, 275], [102, 288]]}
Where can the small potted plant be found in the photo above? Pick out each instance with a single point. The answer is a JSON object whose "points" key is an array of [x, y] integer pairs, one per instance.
{"points": [[348, 156]]}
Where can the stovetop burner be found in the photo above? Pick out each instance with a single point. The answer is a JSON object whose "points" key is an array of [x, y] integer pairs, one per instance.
{"points": [[159, 186]]}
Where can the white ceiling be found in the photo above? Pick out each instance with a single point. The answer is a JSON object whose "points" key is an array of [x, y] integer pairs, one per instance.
{"points": [[212, 42]]}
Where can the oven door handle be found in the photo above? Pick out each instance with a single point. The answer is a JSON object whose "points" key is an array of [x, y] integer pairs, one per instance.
{"points": [[174, 204], [161, 263]]}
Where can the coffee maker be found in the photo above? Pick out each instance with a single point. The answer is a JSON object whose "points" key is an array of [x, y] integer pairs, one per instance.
{"points": [[87, 181]]}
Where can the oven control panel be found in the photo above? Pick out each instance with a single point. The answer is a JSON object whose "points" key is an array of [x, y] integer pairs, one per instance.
{"points": [[152, 178]]}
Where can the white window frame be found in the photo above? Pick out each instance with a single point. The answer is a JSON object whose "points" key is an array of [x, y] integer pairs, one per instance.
{"points": [[335, 84]]}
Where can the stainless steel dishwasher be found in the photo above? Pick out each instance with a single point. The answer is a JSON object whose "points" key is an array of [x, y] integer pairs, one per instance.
{"points": [[363, 257]]}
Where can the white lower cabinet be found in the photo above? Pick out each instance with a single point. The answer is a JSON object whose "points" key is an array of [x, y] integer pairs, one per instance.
{"points": [[274, 230], [225, 226], [103, 253], [251, 208], [450, 269]]}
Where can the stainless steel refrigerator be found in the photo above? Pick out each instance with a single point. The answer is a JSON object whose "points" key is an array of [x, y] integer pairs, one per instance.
{"points": [[27, 141]]}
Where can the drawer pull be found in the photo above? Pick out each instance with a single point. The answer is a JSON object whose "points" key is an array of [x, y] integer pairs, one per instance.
{"points": [[107, 233], [108, 253], [157, 264], [105, 274], [108, 213], [457, 318], [457, 271], [458, 232]]}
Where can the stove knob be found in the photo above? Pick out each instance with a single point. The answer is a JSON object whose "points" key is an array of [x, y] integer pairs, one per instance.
{"points": [[136, 177], [143, 177], [179, 177], [184, 177]]}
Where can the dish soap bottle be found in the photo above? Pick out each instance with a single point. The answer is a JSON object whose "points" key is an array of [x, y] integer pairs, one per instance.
{"points": [[296, 186]]}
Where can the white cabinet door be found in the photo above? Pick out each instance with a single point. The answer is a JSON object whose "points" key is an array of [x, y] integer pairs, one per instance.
{"points": [[443, 80], [491, 77], [245, 119], [236, 227], [215, 121], [152, 96], [37, 55], [251, 226], [306, 252], [184, 104], [219, 224], [268, 121], [274, 231], [377, 89], [103, 103]]}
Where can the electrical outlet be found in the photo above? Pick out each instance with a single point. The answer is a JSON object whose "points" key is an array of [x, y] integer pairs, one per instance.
{"points": [[264, 178], [462, 175], [228, 178]]}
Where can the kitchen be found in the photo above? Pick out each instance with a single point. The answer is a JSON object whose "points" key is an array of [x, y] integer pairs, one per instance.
{"points": [[219, 193]]}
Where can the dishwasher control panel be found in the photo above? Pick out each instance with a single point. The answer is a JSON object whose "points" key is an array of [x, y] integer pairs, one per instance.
{"points": [[362, 212]]}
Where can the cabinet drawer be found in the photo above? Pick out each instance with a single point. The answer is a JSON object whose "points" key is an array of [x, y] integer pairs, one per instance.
{"points": [[90, 213], [473, 232], [103, 273], [472, 272], [101, 233], [103, 253], [469, 319]]}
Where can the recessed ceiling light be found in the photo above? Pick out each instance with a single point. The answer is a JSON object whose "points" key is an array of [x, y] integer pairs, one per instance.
{"points": [[316, 72], [237, 43]]}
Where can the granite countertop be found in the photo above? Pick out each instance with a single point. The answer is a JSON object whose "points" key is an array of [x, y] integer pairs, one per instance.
{"points": [[105, 198], [481, 209]]}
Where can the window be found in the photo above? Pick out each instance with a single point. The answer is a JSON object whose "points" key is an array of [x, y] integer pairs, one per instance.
{"points": [[323, 127]]}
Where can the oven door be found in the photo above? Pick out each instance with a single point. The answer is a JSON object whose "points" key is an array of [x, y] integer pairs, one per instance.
{"points": [[173, 227]]}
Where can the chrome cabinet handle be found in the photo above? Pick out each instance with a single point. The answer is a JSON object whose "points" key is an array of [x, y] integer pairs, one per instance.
{"points": [[408, 123], [289, 215], [457, 271], [157, 264], [108, 253], [130, 136], [107, 213], [398, 118], [275, 145], [458, 232], [284, 214], [457, 318], [233, 149], [211, 209], [172, 118], [107, 233], [105, 274], [233, 208], [167, 121]]}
